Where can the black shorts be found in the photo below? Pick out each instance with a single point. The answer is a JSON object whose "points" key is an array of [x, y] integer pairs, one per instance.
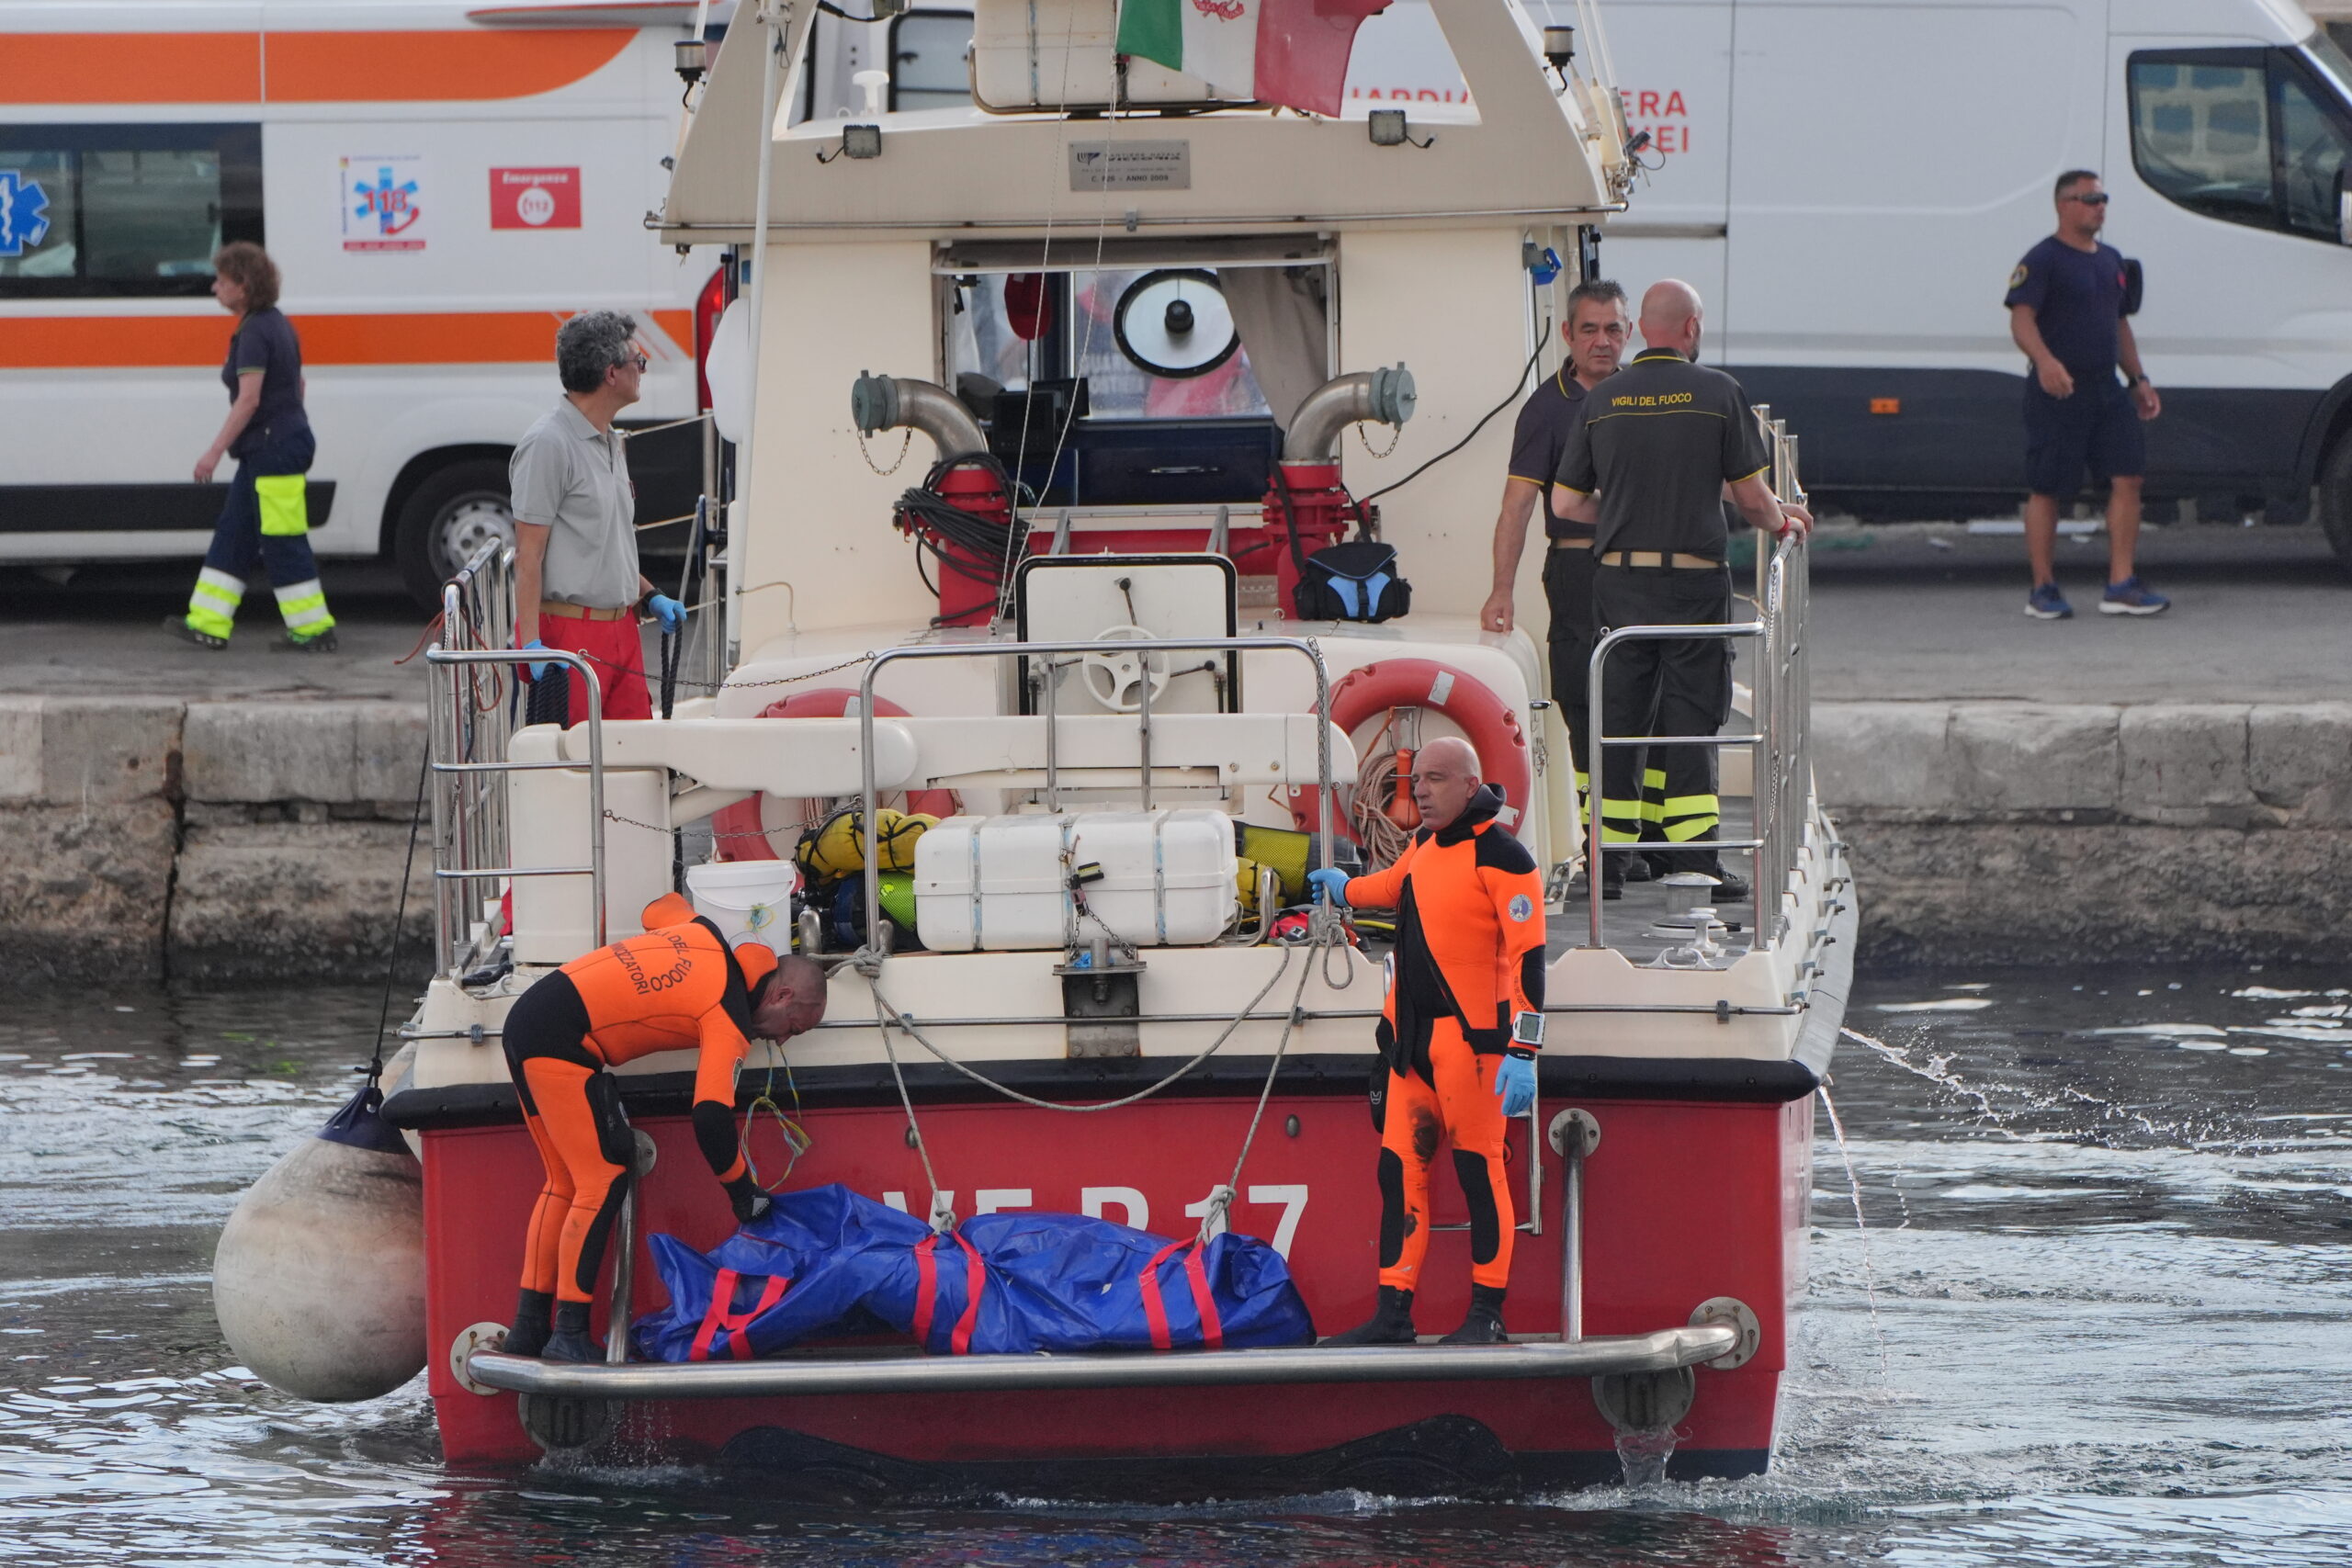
{"points": [[2097, 428]]}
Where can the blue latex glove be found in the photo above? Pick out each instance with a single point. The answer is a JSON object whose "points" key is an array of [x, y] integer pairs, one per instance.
{"points": [[672, 613], [1515, 1084], [538, 667], [1330, 881]]}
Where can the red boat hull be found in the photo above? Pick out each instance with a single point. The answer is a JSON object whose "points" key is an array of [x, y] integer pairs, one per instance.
{"points": [[1683, 1201]]}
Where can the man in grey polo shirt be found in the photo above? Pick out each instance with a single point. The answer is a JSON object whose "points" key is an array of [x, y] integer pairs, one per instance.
{"points": [[576, 582]]}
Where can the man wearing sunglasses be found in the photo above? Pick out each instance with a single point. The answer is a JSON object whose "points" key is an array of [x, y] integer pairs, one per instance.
{"points": [[2070, 303], [576, 582]]}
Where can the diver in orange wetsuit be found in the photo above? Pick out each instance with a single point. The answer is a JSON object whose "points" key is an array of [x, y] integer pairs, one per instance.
{"points": [[1460, 1030], [677, 987]]}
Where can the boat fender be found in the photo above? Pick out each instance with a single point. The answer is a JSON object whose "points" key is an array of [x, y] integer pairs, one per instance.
{"points": [[317, 1280], [1491, 725], [739, 832]]}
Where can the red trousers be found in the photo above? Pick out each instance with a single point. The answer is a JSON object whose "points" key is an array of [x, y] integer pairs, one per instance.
{"points": [[1460, 1108], [617, 653]]}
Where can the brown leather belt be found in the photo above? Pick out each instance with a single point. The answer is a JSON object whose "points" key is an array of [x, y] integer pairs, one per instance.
{"points": [[1572, 544], [1656, 557], [583, 612]]}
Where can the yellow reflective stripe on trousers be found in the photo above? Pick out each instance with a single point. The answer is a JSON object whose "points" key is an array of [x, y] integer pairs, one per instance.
{"points": [[285, 513], [212, 604], [304, 606], [1688, 816], [1612, 813], [1653, 794]]}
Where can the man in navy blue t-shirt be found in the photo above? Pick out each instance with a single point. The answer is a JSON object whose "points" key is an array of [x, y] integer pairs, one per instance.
{"points": [[2068, 313]]}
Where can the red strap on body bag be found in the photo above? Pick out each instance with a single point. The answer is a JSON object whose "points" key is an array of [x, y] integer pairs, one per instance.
{"points": [[1155, 1310], [723, 1319], [976, 1275]]}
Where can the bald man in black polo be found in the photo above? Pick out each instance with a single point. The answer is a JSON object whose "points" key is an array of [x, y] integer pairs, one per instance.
{"points": [[1658, 442]]}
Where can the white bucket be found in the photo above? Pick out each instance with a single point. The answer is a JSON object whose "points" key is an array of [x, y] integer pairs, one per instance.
{"points": [[748, 900]]}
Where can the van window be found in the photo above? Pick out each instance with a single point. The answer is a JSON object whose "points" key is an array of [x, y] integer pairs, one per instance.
{"points": [[2200, 132], [2312, 145], [927, 70], [128, 210], [2251, 136]]}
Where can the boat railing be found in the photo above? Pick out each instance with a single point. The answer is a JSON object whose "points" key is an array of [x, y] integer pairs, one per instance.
{"points": [[1778, 733], [877, 930], [472, 703]]}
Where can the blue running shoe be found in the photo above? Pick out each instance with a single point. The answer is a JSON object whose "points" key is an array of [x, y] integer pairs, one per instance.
{"points": [[2132, 597], [2048, 604]]}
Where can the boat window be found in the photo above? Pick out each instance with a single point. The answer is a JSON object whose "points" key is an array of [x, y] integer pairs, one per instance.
{"points": [[123, 210], [1077, 328], [927, 69]]}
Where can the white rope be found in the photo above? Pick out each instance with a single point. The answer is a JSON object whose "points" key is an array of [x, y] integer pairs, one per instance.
{"points": [[1213, 1221], [887, 1017]]}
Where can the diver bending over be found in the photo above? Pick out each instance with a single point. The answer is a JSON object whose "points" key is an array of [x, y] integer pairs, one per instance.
{"points": [[677, 986], [1463, 1022]]}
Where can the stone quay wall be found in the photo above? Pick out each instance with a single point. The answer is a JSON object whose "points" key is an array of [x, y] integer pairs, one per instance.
{"points": [[2041, 833], [148, 839], [144, 839]]}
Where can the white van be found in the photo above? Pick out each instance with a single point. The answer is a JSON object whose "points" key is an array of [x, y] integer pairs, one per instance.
{"points": [[1849, 184], [439, 185]]}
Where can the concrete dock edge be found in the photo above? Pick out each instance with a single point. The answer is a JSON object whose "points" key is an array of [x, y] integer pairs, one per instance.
{"points": [[148, 839]]}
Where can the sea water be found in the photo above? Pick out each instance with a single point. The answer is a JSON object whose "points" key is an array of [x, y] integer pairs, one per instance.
{"points": [[2097, 1310]]}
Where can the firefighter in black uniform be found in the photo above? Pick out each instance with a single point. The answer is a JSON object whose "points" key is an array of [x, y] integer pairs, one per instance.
{"points": [[1598, 332], [1658, 444]]}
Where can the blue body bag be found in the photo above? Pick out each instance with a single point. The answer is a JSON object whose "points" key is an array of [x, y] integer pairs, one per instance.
{"points": [[828, 1260]]}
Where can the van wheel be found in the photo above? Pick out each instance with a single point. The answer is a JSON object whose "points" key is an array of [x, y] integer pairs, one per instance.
{"points": [[2335, 508], [446, 521]]}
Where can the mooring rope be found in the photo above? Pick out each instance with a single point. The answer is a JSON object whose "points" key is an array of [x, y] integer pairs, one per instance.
{"points": [[888, 1018]]}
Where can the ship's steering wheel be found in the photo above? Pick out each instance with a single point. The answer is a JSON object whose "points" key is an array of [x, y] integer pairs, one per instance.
{"points": [[1116, 680]]}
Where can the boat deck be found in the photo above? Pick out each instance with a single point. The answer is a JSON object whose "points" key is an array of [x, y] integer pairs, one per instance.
{"points": [[1630, 924]]}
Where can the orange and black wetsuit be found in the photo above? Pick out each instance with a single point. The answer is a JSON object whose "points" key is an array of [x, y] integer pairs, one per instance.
{"points": [[674, 988], [1469, 960]]}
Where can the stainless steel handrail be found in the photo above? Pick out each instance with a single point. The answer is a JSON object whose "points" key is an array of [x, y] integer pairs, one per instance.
{"points": [[800, 1376], [1779, 739], [469, 740], [443, 875], [1048, 651]]}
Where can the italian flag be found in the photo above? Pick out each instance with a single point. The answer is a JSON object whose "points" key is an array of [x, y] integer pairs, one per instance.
{"points": [[1292, 52]]}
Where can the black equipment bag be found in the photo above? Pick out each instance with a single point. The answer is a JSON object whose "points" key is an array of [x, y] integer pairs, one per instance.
{"points": [[1352, 582]]}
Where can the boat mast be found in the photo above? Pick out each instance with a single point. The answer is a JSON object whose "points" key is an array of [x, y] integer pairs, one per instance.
{"points": [[775, 16]]}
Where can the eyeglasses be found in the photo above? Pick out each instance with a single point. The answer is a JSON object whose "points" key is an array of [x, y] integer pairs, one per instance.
{"points": [[641, 362], [2097, 200]]}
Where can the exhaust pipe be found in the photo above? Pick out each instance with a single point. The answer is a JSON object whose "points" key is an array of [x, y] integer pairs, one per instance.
{"points": [[892, 403], [1385, 395]]}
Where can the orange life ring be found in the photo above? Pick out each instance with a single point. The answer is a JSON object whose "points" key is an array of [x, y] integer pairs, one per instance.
{"points": [[741, 832], [1491, 725]]}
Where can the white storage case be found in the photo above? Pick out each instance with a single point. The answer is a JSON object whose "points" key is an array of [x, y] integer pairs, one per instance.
{"points": [[1000, 882]]}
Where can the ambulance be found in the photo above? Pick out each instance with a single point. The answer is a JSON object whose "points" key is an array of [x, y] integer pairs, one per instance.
{"points": [[1849, 184], [440, 184]]}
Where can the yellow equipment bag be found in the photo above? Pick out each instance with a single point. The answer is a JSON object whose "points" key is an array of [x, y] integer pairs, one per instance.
{"points": [[285, 506], [835, 848]]}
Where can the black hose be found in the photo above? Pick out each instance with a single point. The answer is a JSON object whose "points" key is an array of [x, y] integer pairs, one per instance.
{"points": [[939, 523], [1541, 339]]}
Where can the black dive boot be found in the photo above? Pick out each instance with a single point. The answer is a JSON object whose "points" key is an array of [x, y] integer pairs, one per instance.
{"points": [[569, 1342], [1392, 1324], [1485, 1323], [528, 1336]]}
